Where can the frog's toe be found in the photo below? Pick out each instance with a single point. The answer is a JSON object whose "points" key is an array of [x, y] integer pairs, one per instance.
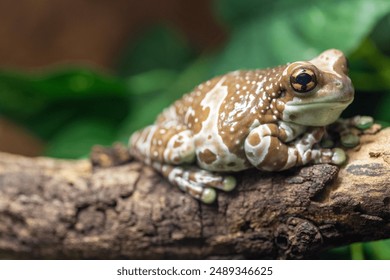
{"points": [[363, 122], [327, 143], [229, 183], [200, 184], [349, 140], [209, 195], [339, 157], [214, 180]]}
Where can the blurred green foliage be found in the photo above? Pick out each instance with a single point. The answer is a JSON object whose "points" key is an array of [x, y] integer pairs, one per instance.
{"points": [[160, 48], [265, 33], [73, 109]]}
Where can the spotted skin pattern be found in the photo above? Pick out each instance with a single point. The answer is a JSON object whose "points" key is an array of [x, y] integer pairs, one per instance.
{"points": [[269, 119]]}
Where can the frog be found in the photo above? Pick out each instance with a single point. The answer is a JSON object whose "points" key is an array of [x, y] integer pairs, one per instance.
{"points": [[270, 119]]}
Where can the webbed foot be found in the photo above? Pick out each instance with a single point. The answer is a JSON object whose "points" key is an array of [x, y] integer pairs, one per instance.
{"points": [[199, 183], [348, 131]]}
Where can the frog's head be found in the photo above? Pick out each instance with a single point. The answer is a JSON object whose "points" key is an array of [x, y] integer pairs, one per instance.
{"points": [[317, 91]]}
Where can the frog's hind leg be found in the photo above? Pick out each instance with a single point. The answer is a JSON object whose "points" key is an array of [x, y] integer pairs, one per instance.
{"points": [[199, 183], [168, 142], [165, 146]]}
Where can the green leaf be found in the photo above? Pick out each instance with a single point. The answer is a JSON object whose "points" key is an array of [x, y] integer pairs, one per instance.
{"points": [[151, 81], [23, 95], [50, 121], [16, 96], [357, 251], [370, 69], [285, 30], [339, 253], [381, 34], [235, 12], [159, 48], [383, 112], [76, 84], [378, 250], [370, 74]]}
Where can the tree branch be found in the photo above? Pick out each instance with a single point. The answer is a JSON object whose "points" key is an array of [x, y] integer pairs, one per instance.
{"points": [[68, 209]]}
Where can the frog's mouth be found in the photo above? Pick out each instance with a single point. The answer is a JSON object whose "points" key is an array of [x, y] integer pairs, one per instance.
{"points": [[314, 114]]}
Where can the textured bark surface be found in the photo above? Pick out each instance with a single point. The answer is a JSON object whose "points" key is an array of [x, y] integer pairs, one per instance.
{"points": [[67, 209]]}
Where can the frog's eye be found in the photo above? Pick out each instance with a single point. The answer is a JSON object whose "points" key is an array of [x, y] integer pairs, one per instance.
{"points": [[303, 80]]}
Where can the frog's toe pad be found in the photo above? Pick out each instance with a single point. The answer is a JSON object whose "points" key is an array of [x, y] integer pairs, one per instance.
{"points": [[350, 140], [229, 183], [363, 122], [209, 195], [339, 157], [200, 184]]}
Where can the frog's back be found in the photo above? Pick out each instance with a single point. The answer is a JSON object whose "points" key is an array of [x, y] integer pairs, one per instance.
{"points": [[235, 107], [221, 112]]}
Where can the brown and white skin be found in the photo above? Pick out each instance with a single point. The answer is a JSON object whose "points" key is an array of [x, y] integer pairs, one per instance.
{"points": [[269, 119]]}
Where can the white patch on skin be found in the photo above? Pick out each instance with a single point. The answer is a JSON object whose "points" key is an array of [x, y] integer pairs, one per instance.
{"points": [[256, 154], [255, 124], [190, 112], [285, 71], [303, 147], [241, 108], [185, 152], [174, 177], [253, 110], [213, 100], [204, 178], [264, 130], [170, 113], [327, 65], [292, 130], [144, 146], [291, 159]]}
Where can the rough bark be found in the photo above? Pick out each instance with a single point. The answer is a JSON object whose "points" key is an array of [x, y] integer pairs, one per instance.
{"points": [[68, 209]]}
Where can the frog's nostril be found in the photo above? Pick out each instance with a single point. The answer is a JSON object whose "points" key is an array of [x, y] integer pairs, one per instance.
{"points": [[339, 84]]}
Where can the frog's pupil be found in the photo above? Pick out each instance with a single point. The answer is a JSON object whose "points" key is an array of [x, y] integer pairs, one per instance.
{"points": [[303, 79]]}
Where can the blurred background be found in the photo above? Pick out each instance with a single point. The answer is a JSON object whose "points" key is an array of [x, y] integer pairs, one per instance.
{"points": [[75, 73]]}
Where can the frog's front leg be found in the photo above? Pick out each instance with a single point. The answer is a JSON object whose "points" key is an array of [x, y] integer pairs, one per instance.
{"points": [[269, 147], [349, 130]]}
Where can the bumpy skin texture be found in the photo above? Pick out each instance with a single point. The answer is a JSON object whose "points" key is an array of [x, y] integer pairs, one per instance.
{"points": [[269, 119]]}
